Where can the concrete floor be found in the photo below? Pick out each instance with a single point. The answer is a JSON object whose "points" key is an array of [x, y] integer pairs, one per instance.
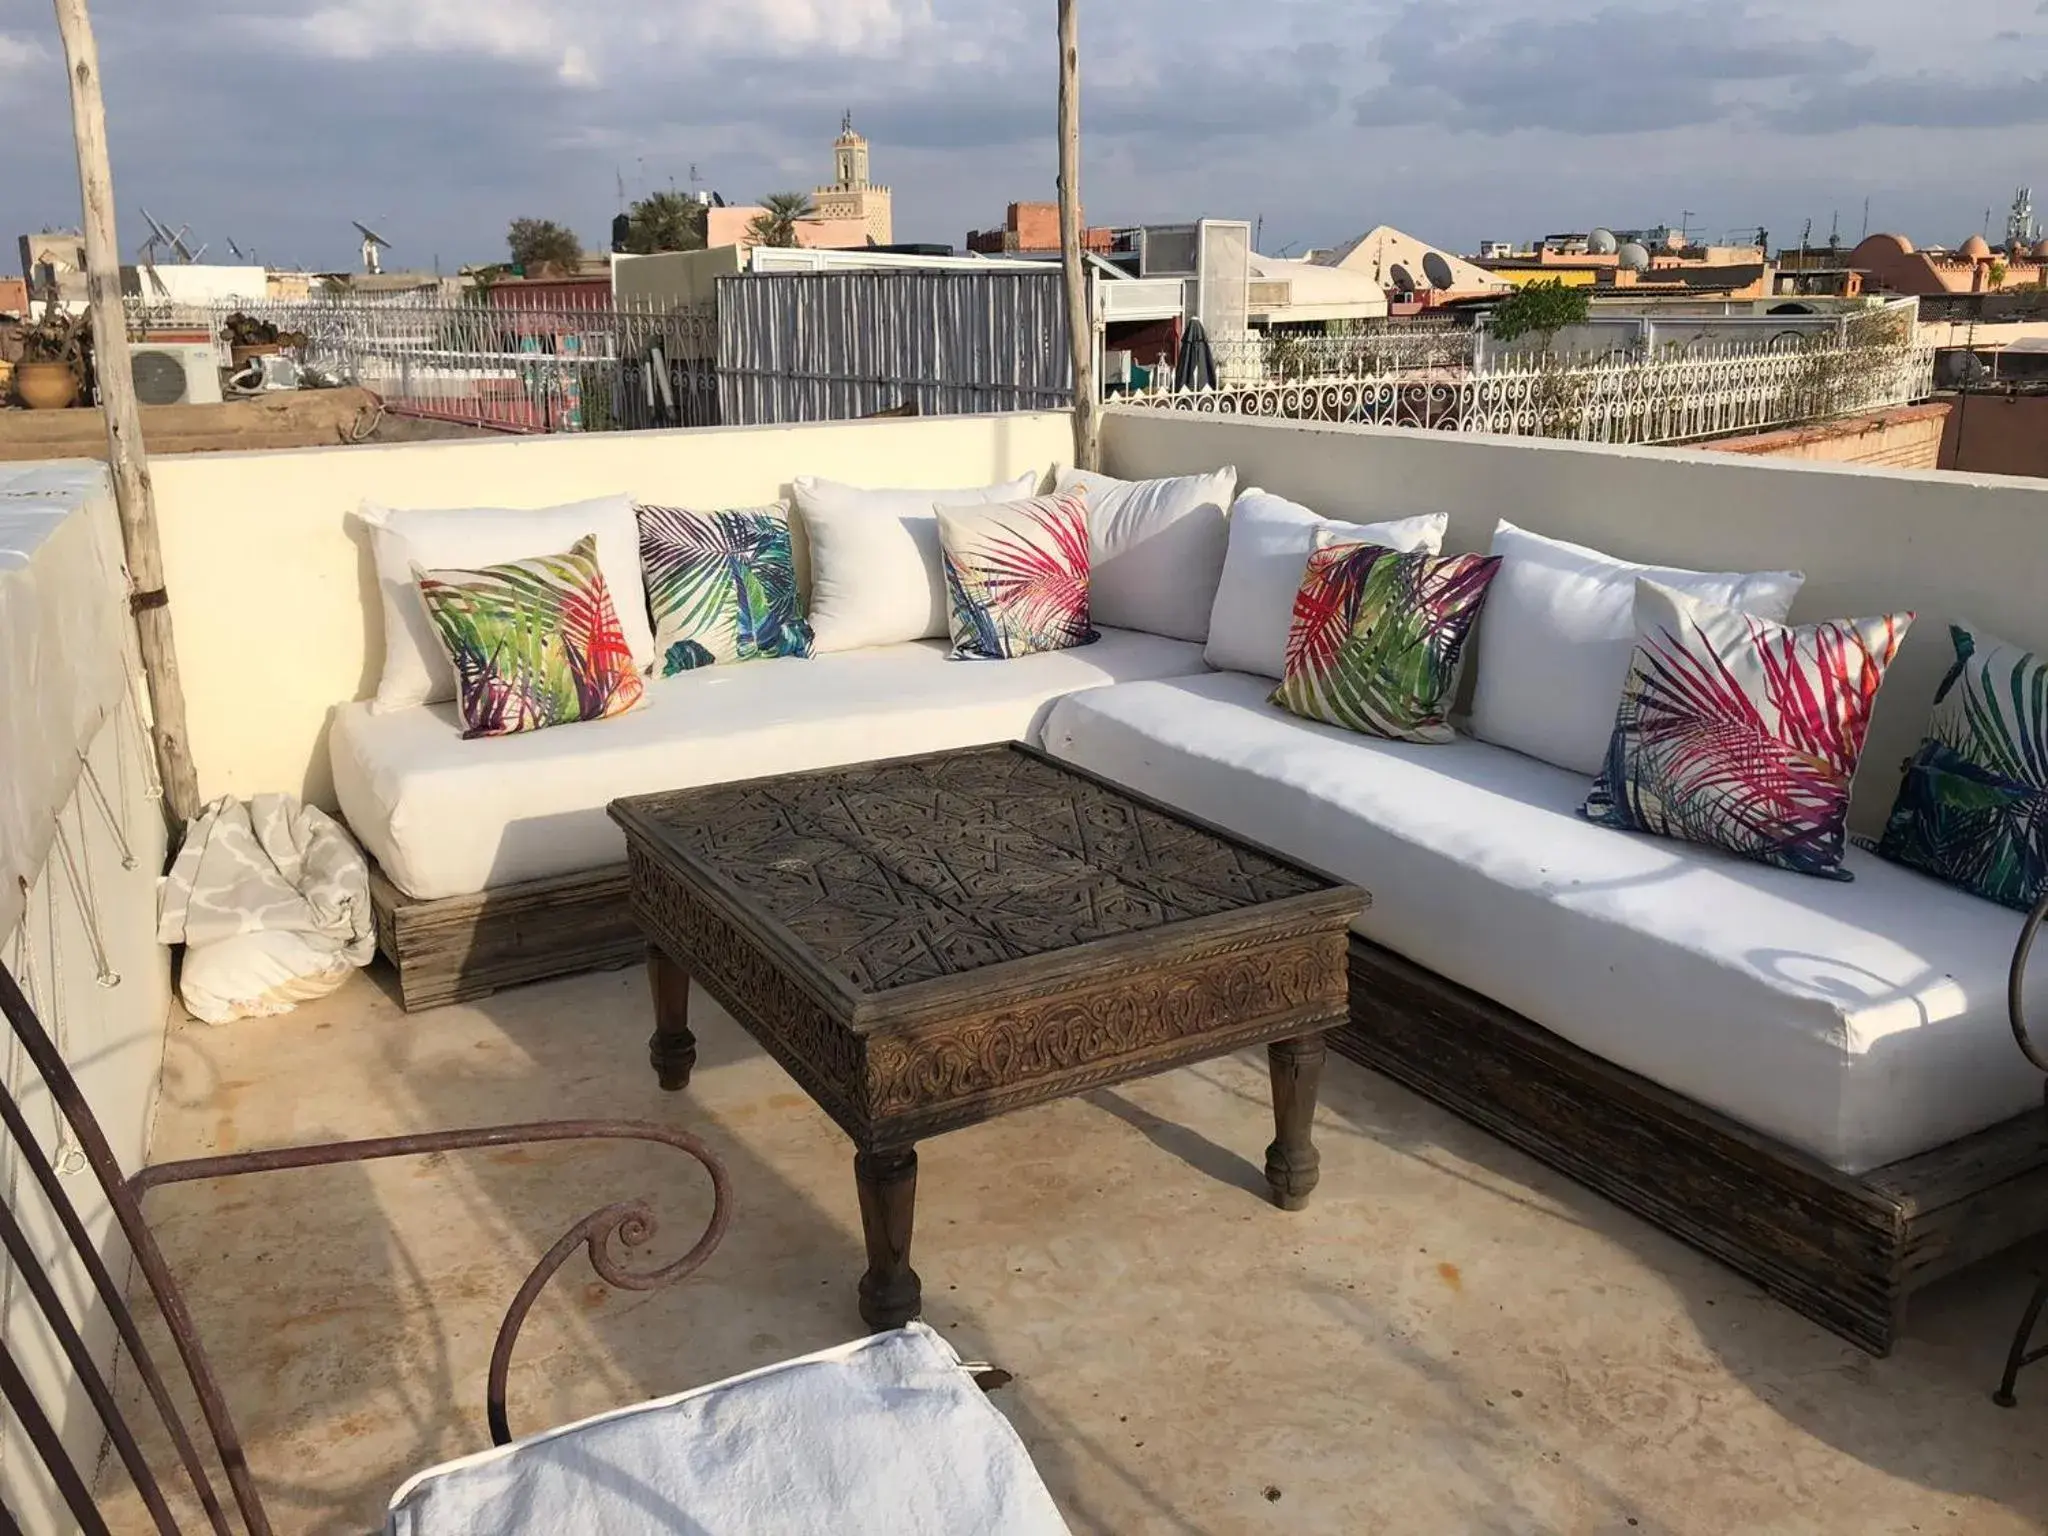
{"points": [[1450, 1339]]}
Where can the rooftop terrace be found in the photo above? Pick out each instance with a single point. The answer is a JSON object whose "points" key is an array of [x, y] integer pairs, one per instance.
{"points": [[1453, 1337]]}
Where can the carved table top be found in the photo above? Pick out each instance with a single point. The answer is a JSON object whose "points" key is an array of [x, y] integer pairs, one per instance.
{"points": [[927, 941], [913, 869]]}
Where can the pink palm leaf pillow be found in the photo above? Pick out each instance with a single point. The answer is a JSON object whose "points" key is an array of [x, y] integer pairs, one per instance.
{"points": [[1743, 734], [1017, 576]]}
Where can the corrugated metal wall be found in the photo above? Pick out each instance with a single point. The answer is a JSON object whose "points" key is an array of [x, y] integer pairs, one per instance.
{"points": [[832, 346]]}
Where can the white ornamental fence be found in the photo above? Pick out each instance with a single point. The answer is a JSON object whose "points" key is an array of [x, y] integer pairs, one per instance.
{"points": [[1652, 400], [553, 361]]}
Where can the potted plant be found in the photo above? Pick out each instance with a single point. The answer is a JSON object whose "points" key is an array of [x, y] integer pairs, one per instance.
{"points": [[51, 372]]}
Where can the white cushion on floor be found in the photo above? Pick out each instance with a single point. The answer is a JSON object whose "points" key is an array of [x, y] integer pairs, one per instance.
{"points": [[1863, 1022], [885, 1437], [448, 817]]}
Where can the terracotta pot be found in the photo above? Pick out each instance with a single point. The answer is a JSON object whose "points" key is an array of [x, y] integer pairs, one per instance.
{"points": [[46, 386]]}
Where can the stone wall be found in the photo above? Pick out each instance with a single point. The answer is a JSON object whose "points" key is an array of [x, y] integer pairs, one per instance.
{"points": [[1903, 437]]}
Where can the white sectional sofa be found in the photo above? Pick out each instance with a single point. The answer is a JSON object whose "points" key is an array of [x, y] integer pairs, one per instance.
{"points": [[1813, 1080], [1862, 1022], [444, 817]]}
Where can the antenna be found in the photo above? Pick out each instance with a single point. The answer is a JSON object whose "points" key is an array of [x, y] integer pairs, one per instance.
{"points": [[619, 176], [1685, 225], [1866, 221]]}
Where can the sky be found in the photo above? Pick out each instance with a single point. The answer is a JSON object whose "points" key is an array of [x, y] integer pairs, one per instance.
{"points": [[437, 122]]}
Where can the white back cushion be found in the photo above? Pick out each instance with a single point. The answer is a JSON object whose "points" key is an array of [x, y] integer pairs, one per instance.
{"points": [[1156, 548], [877, 577], [1558, 631], [1270, 540], [416, 666]]}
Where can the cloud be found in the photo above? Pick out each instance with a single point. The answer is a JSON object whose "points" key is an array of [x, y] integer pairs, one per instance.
{"points": [[18, 55], [1612, 71], [1923, 100], [448, 118]]}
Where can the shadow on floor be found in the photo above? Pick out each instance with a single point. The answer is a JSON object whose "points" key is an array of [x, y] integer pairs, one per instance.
{"points": [[1924, 1414]]}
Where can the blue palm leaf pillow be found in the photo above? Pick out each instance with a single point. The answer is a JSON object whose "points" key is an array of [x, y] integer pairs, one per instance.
{"points": [[721, 586], [1740, 733], [1973, 810]]}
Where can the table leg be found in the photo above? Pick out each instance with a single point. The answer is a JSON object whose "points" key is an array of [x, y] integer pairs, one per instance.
{"points": [[671, 1049], [890, 1292], [1292, 1163]]}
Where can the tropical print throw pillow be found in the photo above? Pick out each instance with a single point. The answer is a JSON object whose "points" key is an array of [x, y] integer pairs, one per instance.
{"points": [[1973, 809], [1377, 636], [721, 586], [1017, 576], [535, 642], [1741, 733]]}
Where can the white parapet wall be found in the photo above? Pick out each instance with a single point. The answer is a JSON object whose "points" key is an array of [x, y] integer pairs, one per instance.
{"points": [[88, 914], [273, 595], [1947, 546]]}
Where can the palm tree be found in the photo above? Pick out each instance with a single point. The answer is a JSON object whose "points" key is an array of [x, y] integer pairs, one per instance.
{"points": [[776, 223], [664, 221]]}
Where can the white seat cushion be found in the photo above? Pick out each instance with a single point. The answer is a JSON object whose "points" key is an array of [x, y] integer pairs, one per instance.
{"points": [[448, 817], [1269, 542], [1156, 548], [1863, 1022], [876, 574], [1559, 631], [885, 1437]]}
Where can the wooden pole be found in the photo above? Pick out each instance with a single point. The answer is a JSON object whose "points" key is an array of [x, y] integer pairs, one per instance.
{"points": [[126, 455], [1080, 313]]}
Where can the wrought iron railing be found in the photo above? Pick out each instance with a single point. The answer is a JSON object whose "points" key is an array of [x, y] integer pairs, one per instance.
{"points": [[518, 362], [1700, 394]]}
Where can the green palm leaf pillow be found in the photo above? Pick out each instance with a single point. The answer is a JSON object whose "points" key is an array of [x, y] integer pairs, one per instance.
{"points": [[534, 642], [1017, 576], [1740, 733], [1973, 809], [1377, 635], [721, 586]]}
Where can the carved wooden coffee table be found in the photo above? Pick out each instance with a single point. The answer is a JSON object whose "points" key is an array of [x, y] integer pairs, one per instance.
{"points": [[932, 941]]}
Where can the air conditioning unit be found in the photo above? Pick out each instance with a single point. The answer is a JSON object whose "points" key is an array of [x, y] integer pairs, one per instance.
{"points": [[175, 373]]}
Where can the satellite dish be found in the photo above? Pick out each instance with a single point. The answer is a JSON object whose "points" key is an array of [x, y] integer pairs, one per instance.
{"points": [[1633, 256], [1602, 242], [372, 241], [1403, 279], [1437, 270]]}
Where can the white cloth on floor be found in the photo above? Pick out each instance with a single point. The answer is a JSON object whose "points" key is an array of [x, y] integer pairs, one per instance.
{"points": [[272, 900], [888, 1436]]}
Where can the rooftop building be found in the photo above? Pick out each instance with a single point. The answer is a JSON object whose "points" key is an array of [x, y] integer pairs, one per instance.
{"points": [[1034, 227], [1893, 264]]}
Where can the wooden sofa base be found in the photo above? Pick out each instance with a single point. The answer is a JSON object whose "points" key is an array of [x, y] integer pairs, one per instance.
{"points": [[1844, 1250], [464, 947]]}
